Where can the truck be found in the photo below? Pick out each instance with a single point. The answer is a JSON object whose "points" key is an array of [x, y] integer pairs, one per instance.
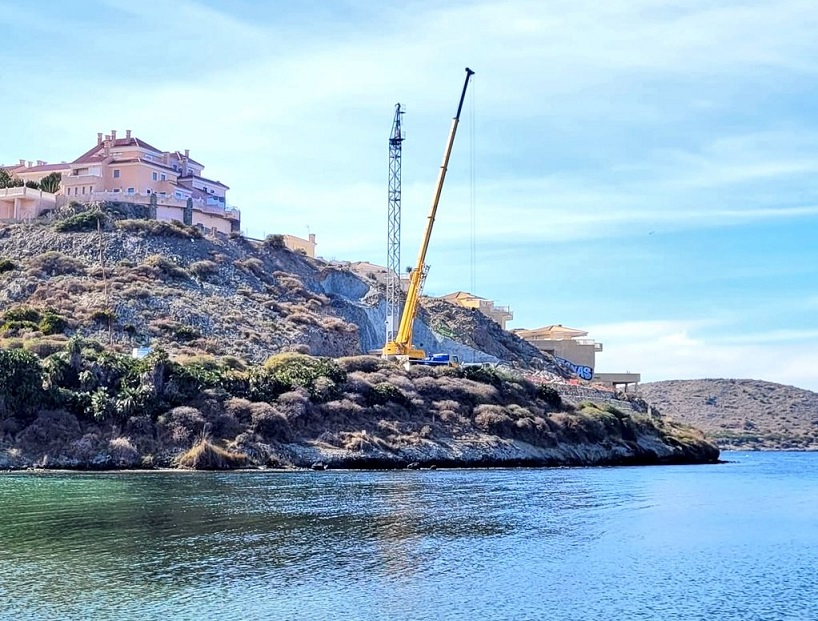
{"points": [[438, 360]]}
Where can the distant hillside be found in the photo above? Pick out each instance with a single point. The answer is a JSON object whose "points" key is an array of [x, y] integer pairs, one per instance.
{"points": [[740, 413]]}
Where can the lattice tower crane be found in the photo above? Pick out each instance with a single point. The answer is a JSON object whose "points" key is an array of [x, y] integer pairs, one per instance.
{"points": [[393, 269]]}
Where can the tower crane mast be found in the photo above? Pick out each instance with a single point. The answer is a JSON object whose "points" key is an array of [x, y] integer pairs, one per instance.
{"points": [[393, 268], [401, 346]]}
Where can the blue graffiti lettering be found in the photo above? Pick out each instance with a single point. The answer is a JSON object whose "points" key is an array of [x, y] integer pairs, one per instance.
{"points": [[582, 372]]}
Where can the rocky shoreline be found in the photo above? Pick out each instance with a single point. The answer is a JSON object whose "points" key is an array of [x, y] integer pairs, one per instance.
{"points": [[376, 417]]}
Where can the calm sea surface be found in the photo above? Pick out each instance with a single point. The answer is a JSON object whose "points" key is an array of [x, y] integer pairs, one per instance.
{"points": [[729, 541]]}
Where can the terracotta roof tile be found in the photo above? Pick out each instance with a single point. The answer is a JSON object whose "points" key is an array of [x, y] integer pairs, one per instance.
{"points": [[119, 142], [43, 168]]}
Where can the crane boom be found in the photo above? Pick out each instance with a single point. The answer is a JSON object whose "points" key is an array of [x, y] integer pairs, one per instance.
{"points": [[402, 345]]}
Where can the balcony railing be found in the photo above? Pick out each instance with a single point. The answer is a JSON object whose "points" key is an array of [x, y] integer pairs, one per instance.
{"points": [[22, 191], [226, 211]]}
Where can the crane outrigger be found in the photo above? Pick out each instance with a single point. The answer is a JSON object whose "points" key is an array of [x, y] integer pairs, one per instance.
{"points": [[402, 347]]}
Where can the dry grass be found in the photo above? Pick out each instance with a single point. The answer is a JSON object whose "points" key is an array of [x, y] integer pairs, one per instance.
{"points": [[203, 269], [53, 263], [204, 455]]}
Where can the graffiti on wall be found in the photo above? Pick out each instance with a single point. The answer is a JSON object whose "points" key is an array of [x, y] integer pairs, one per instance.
{"points": [[582, 372]]}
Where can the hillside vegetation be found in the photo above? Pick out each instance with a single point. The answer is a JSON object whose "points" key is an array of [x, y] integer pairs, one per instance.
{"points": [[85, 407], [145, 282], [741, 413], [258, 361]]}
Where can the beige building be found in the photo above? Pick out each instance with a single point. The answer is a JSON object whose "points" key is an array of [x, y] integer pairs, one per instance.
{"points": [[299, 244], [577, 353], [22, 203], [500, 314], [129, 169], [566, 343]]}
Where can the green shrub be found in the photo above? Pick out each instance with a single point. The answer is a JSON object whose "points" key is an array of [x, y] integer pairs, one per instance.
{"points": [[52, 323], [299, 370], [612, 409], [383, 392], [18, 326], [186, 333], [551, 397], [21, 382], [43, 348], [103, 315], [160, 228], [22, 313], [166, 267], [274, 241], [83, 221]]}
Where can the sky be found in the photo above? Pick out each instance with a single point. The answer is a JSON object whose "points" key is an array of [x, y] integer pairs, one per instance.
{"points": [[643, 170]]}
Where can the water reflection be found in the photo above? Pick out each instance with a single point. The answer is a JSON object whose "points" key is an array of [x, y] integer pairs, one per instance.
{"points": [[401, 545]]}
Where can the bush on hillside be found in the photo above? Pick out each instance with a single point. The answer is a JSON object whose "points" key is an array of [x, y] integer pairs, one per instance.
{"points": [[203, 269], [275, 241], [22, 313], [165, 267], [298, 370], [83, 221], [6, 265], [550, 396], [52, 323], [21, 383], [160, 228], [56, 263]]}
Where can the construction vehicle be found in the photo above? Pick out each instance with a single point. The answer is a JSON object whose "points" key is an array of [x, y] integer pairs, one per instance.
{"points": [[402, 348], [438, 360]]}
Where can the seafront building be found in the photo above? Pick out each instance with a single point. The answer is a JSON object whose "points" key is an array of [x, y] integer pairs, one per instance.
{"points": [[126, 169], [577, 353]]}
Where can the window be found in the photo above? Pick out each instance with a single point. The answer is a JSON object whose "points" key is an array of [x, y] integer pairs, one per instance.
{"points": [[116, 191], [155, 176], [148, 191], [131, 190], [116, 173], [83, 189], [163, 177]]}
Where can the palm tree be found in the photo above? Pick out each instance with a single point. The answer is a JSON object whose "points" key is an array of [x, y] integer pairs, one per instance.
{"points": [[51, 183]]}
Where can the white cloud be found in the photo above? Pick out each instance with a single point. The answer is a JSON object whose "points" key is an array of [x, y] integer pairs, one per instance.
{"points": [[684, 349]]}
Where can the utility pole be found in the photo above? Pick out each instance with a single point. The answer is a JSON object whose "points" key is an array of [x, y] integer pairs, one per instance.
{"points": [[393, 267]]}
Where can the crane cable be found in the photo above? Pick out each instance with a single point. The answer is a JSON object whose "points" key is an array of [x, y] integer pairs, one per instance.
{"points": [[472, 190]]}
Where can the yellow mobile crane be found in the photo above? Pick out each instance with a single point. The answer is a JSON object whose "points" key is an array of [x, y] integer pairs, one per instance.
{"points": [[402, 347]]}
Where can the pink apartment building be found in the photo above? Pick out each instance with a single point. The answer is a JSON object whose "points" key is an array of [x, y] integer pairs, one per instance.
{"points": [[129, 170]]}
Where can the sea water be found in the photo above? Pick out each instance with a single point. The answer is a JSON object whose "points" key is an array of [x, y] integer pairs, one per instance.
{"points": [[737, 540]]}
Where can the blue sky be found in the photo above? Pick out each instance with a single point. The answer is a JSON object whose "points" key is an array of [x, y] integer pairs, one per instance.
{"points": [[644, 170]]}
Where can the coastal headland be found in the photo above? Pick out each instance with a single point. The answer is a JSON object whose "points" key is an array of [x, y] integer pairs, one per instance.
{"points": [[258, 360]]}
